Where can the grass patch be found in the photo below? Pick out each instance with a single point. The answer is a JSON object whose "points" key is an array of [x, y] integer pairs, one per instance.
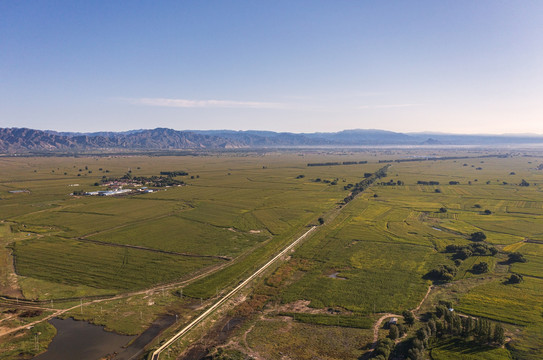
{"points": [[454, 349], [76, 263], [359, 322]]}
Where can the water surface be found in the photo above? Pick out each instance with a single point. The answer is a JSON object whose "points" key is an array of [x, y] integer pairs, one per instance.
{"points": [[83, 341]]}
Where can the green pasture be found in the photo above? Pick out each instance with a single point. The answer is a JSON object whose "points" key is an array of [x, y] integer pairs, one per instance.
{"points": [[306, 341], [332, 320], [457, 349], [519, 304], [249, 205], [177, 234], [74, 262], [374, 275], [230, 206]]}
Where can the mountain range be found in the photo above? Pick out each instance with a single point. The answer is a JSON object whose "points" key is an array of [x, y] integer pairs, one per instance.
{"points": [[23, 140]]}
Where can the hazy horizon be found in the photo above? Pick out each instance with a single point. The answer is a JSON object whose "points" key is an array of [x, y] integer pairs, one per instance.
{"points": [[291, 132]]}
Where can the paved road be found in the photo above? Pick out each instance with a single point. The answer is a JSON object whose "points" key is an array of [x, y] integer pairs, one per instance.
{"points": [[222, 300]]}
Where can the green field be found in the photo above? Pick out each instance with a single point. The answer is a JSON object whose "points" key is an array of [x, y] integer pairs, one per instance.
{"points": [[373, 257], [96, 265], [232, 206], [237, 210]]}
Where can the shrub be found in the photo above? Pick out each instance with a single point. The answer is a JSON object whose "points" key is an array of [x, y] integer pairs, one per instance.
{"points": [[478, 236], [516, 257], [515, 279], [442, 273], [480, 268], [408, 317]]}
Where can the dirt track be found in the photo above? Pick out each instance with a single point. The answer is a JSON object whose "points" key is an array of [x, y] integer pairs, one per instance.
{"points": [[379, 321]]}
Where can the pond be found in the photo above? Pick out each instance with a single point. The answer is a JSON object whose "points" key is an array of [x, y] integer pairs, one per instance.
{"points": [[83, 341]]}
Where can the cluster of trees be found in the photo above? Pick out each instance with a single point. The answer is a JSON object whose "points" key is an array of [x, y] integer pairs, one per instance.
{"points": [[524, 183], [442, 322], [396, 331], [447, 323], [155, 181], [384, 348], [353, 162], [174, 173], [392, 183], [337, 163], [445, 158], [421, 182], [463, 252], [442, 273], [300, 176], [331, 182], [364, 184], [480, 268]]}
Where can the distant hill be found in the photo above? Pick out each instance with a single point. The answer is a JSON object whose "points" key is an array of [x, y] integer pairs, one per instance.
{"points": [[22, 140]]}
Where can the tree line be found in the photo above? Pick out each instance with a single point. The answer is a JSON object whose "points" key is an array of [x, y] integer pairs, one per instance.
{"points": [[338, 163], [365, 183], [442, 323]]}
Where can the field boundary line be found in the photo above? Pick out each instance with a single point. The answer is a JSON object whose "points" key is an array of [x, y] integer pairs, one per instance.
{"points": [[143, 248]]}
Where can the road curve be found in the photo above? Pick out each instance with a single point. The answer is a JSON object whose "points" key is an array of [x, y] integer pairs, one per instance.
{"points": [[222, 300]]}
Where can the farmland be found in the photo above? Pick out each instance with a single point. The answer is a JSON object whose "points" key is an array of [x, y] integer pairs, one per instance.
{"points": [[236, 210]]}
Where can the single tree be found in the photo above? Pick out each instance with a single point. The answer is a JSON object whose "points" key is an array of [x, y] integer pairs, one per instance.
{"points": [[408, 317], [516, 257], [393, 332], [499, 334]]}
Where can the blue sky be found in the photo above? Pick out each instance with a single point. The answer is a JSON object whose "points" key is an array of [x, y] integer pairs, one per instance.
{"points": [[301, 66]]}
